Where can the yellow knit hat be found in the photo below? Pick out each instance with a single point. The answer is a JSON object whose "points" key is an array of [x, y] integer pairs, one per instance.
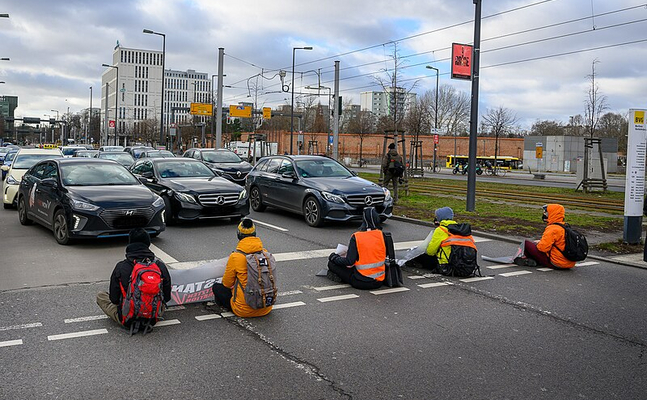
{"points": [[246, 228]]}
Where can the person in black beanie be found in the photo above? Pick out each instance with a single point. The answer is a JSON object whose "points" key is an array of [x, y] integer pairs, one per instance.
{"points": [[137, 250]]}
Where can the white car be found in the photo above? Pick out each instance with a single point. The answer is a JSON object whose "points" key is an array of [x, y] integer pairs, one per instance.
{"points": [[25, 159], [111, 148]]}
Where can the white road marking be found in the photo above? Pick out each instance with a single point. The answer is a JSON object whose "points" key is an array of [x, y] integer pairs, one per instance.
{"points": [[278, 228], [288, 305], [175, 308], [333, 287], [303, 255], [77, 334], [168, 322], [161, 254], [290, 292], [8, 343], [545, 269], [335, 298], [416, 277], [515, 273], [476, 279], [227, 314], [434, 284], [586, 263], [501, 266], [83, 319], [416, 243], [206, 317], [23, 326], [391, 290]]}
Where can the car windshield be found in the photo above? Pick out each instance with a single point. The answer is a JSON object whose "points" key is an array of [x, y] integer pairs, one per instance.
{"points": [[26, 161], [96, 174], [69, 151], [184, 169], [10, 156], [138, 152], [220, 157], [85, 153], [321, 168], [159, 154], [120, 157]]}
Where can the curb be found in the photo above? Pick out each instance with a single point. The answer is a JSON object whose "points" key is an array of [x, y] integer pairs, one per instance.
{"points": [[516, 241]]}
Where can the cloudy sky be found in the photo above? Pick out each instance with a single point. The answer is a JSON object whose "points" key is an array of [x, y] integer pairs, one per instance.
{"points": [[536, 54]]}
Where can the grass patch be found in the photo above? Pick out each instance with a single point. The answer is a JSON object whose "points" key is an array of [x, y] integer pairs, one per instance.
{"points": [[618, 247]]}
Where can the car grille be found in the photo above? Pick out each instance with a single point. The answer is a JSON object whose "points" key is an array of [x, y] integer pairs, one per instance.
{"points": [[218, 199], [361, 200], [234, 176], [126, 218]]}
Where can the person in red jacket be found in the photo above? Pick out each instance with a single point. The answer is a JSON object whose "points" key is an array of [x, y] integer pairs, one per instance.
{"points": [[547, 251]]}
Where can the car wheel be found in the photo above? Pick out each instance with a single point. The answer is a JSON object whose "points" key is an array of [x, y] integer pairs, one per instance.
{"points": [[168, 211], [312, 212], [22, 212], [61, 228], [256, 201]]}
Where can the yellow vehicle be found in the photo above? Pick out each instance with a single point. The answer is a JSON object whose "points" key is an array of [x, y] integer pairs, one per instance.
{"points": [[503, 162], [49, 146]]}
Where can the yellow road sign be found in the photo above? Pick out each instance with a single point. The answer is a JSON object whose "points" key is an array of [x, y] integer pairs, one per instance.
{"points": [[201, 109], [240, 111], [267, 113], [539, 152]]}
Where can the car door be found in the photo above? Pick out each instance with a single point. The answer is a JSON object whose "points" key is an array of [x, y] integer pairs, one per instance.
{"points": [[48, 193], [28, 187], [285, 187], [266, 181]]}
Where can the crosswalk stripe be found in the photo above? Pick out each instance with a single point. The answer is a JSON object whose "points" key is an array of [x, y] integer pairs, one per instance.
{"points": [[586, 263], [336, 298], [501, 266], [545, 269], [288, 305], [83, 319], [434, 284], [7, 343], [476, 279], [416, 277], [77, 334], [206, 317], [168, 322], [332, 287], [515, 273], [387, 291]]}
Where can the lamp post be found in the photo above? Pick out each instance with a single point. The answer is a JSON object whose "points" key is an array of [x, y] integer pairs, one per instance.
{"points": [[89, 132], [5, 59], [436, 118], [43, 129], [56, 111], [294, 49], [163, 62], [116, 98]]}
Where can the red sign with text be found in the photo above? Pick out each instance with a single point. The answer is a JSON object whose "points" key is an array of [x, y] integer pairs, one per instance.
{"points": [[111, 123], [461, 61], [436, 139]]}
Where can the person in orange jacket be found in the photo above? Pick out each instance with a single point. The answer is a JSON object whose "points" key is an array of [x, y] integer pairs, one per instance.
{"points": [[236, 269], [547, 251]]}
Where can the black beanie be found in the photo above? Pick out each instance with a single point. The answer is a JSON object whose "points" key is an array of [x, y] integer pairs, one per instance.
{"points": [[139, 235], [392, 146]]}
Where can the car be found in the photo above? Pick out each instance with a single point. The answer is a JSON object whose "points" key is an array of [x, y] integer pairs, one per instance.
{"points": [[86, 153], [191, 190], [317, 187], [25, 159], [136, 151], [156, 154], [87, 198], [6, 149], [121, 157], [111, 148], [224, 162], [8, 160], [68, 151]]}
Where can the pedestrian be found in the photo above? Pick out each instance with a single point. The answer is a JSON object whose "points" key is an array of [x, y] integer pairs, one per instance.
{"points": [[547, 252], [393, 169], [230, 293], [363, 265], [112, 302]]}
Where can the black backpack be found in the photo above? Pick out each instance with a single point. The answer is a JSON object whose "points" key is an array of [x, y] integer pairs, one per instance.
{"points": [[577, 247], [396, 168], [463, 258]]}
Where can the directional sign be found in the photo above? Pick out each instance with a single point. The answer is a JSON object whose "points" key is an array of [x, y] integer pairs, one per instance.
{"points": [[201, 109], [240, 111], [539, 151], [267, 113]]}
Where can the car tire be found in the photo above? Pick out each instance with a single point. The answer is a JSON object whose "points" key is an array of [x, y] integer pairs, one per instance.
{"points": [[22, 212], [61, 228], [168, 210], [312, 212], [256, 200]]}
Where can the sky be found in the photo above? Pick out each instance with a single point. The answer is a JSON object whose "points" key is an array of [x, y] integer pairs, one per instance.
{"points": [[536, 55]]}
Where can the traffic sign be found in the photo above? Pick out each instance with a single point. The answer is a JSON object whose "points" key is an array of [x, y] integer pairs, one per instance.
{"points": [[436, 139], [267, 113], [204, 109], [111, 123]]}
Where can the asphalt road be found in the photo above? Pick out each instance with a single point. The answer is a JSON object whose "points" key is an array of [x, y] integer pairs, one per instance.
{"points": [[519, 333]]}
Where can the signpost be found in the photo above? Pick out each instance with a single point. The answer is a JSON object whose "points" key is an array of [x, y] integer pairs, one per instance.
{"points": [[240, 111], [203, 109], [267, 113], [635, 178]]}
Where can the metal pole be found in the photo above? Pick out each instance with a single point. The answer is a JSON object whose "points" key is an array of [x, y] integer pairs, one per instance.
{"points": [[474, 115], [117, 108], [221, 60], [162, 101], [89, 132], [336, 107], [104, 140], [292, 105], [213, 111]]}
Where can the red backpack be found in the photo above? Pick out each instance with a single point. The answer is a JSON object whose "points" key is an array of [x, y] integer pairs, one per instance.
{"points": [[143, 300]]}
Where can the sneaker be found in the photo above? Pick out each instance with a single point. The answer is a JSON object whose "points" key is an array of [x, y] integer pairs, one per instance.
{"points": [[525, 262], [333, 276]]}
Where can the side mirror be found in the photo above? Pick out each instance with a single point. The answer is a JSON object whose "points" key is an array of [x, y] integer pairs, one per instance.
{"points": [[49, 182], [148, 175], [289, 175], [353, 172]]}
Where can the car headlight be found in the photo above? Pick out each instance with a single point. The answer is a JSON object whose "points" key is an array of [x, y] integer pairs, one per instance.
{"points": [[387, 194], [242, 194], [11, 180], [83, 205], [185, 197], [332, 197], [159, 202]]}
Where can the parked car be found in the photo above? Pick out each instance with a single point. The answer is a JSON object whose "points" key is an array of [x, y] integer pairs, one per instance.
{"points": [[68, 151], [224, 162], [85, 198], [25, 159], [121, 157], [156, 154], [86, 153], [6, 149], [191, 190], [8, 160], [136, 151], [317, 187], [111, 148]]}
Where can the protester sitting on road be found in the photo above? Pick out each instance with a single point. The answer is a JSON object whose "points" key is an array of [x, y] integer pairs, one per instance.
{"points": [[230, 293], [546, 252], [363, 266], [137, 251], [434, 258]]}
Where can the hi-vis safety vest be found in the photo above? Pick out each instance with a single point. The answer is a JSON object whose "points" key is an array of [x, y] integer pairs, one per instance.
{"points": [[457, 240], [372, 254]]}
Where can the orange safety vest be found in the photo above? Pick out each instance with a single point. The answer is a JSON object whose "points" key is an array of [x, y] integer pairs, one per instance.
{"points": [[372, 254], [457, 240]]}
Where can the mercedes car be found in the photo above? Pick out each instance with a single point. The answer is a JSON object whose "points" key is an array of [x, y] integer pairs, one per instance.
{"points": [[224, 162]]}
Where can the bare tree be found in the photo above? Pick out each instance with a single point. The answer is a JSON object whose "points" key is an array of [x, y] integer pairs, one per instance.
{"points": [[615, 126], [499, 121], [453, 109], [417, 120], [362, 124], [595, 103]]}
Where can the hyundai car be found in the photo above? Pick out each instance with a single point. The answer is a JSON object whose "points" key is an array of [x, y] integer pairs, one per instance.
{"points": [[224, 162], [317, 187]]}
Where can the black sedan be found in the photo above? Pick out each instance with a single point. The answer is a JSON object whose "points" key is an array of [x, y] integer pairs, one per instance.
{"points": [[83, 198], [224, 162], [191, 190], [319, 188]]}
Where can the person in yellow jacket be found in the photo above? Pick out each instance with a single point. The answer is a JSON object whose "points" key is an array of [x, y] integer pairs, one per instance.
{"points": [[363, 266], [434, 258], [236, 269], [547, 251]]}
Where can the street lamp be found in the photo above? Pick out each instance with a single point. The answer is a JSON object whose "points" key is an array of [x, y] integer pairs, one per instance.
{"points": [[294, 49], [436, 118], [116, 98], [163, 62], [56, 111], [5, 59], [4, 15]]}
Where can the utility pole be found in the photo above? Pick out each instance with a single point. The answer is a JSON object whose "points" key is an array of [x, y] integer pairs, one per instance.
{"points": [[104, 137], [474, 114], [335, 123], [221, 57]]}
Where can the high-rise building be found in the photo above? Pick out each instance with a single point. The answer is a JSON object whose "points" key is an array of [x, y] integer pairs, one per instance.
{"points": [[8, 105], [383, 103]]}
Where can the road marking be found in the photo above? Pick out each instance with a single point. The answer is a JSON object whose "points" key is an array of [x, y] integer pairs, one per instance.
{"points": [[515, 273], [501, 266], [545, 269], [77, 334], [416, 277], [288, 305], [476, 279], [207, 317], [175, 308], [335, 298], [303, 255], [586, 263], [227, 314], [8, 343], [289, 293], [416, 243], [83, 319], [278, 228], [333, 287], [391, 290], [161, 254], [168, 322], [23, 326], [434, 284]]}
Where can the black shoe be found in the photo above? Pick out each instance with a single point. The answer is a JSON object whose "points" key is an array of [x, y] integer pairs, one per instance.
{"points": [[333, 276], [525, 262]]}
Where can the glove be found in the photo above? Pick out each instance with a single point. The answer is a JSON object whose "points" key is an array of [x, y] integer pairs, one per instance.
{"points": [[333, 256]]}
